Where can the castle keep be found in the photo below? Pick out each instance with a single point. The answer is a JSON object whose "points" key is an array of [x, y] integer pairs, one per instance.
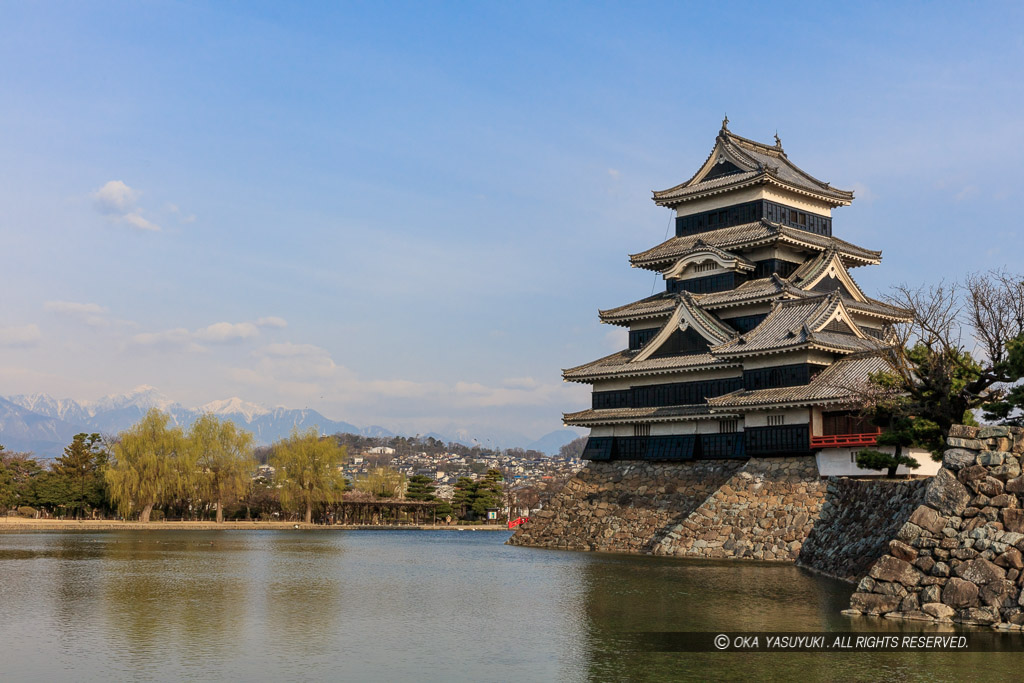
{"points": [[752, 348]]}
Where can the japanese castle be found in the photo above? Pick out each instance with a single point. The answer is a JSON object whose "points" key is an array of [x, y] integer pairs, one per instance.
{"points": [[751, 349]]}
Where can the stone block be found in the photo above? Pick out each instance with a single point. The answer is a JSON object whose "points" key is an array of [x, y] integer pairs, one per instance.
{"points": [[963, 432], [960, 593], [873, 603], [955, 459], [927, 518], [1011, 559], [980, 571], [1010, 469], [945, 494], [1015, 485], [902, 551], [997, 593], [974, 444], [988, 486], [991, 431], [924, 563], [1013, 520], [938, 611], [991, 458], [931, 593], [892, 569], [978, 616], [910, 603], [1004, 500]]}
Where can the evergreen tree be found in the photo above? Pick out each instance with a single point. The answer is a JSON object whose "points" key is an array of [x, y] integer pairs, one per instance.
{"points": [[81, 470], [420, 488]]}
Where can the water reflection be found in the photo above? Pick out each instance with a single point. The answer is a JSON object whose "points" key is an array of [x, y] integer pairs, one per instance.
{"points": [[395, 606]]}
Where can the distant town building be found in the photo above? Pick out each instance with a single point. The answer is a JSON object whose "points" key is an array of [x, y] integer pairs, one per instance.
{"points": [[759, 334]]}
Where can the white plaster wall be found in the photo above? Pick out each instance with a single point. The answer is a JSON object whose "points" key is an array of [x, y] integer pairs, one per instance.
{"points": [[719, 201], [749, 194], [794, 416], [800, 202], [842, 462], [603, 430], [671, 428]]}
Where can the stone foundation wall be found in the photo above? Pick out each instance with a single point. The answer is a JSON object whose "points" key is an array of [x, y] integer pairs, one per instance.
{"points": [[764, 512], [621, 506], [759, 509], [960, 555], [856, 522]]}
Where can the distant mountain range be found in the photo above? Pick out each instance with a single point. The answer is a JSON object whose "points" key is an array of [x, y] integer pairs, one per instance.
{"points": [[44, 425]]}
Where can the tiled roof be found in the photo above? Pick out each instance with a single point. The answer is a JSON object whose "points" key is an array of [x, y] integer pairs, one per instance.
{"points": [[790, 325], [749, 291], [619, 365], [836, 384], [758, 163], [659, 305], [593, 417], [713, 328], [748, 235], [879, 308]]}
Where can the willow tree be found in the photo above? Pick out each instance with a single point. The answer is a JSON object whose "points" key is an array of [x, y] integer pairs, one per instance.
{"points": [[222, 458], [383, 482], [146, 468], [308, 471]]}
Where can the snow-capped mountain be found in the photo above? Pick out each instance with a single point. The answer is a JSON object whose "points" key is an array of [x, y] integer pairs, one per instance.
{"points": [[234, 406], [44, 425]]}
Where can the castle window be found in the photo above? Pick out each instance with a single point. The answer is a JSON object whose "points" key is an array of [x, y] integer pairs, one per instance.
{"points": [[642, 430], [728, 426], [776, 420], [792, 216]]}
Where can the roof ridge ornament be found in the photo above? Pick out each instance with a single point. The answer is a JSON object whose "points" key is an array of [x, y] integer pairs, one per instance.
{"points": [[725, 124], [778, 142]]}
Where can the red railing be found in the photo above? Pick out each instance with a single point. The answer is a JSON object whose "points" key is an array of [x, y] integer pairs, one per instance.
{"points": [[517, 521], [844, 440]]}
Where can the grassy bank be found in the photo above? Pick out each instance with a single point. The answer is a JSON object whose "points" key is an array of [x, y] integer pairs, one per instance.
{"points": [[21, 524]]}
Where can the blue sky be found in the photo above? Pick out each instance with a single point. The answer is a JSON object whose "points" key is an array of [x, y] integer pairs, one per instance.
{"points": [[409, 214]]}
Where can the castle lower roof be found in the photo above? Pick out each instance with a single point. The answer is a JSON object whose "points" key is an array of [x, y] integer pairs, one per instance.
{"points": [[621, 365], [749, 235], [838, 383], [801, 323], [591, 417]]}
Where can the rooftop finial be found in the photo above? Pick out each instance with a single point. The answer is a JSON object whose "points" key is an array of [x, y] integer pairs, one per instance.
{"points": [[725, 122], [778, 142]]}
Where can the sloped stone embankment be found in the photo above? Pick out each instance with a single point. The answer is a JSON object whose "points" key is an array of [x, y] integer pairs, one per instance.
{"points": [[621, 506], [764, 512], [856, 523]]}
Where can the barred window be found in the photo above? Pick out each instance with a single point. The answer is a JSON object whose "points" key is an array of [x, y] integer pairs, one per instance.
{"points": [[728, 426], [776, 420], [641, 430]]}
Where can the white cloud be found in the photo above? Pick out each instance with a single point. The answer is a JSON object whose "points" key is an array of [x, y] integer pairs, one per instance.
{"points": [[272, 321], [117, 201], [221, 333], [20, 336], [73, 308], [217, 333], [115, 197], [136, 220]]}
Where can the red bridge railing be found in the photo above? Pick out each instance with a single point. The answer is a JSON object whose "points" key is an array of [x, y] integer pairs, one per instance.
{"points": [[844, 440]]}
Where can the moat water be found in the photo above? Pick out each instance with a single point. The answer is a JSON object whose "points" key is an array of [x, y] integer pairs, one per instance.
{"points": [[410, 606]]}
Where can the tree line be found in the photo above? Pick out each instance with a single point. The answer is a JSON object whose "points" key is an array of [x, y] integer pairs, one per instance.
{"points": [[155, 469], [960, 353]]}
